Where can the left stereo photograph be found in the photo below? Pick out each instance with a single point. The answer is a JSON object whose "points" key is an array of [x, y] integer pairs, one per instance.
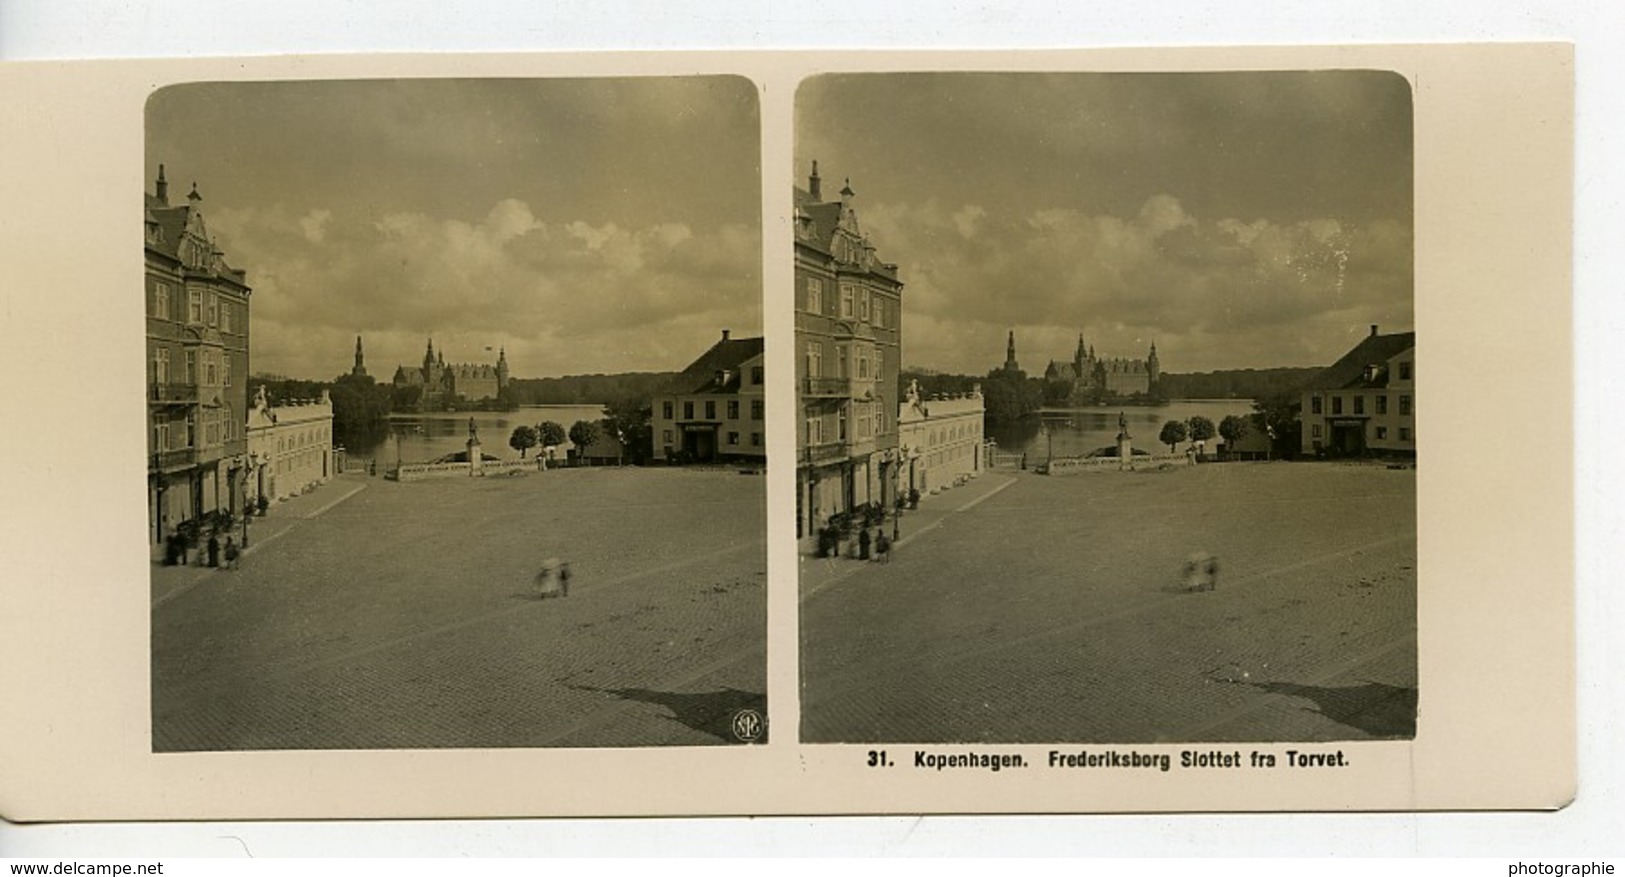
{"points": [[455, 413]]}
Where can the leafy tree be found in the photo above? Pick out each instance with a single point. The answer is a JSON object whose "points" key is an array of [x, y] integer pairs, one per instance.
{"points": [[1201, 429], [550, 434], [1234, 428], [1278, 416], [1173, 432], [628, 419], [523, 439], [583, 434]]}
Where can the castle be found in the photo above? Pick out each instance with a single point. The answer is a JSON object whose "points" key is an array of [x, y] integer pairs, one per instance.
{"points": [[442, 384], [1089, 377]]}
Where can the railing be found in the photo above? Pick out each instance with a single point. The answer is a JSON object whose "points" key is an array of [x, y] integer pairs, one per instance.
{"points": [[828, 452], [826, 387], [165, 460], [173, 392]]}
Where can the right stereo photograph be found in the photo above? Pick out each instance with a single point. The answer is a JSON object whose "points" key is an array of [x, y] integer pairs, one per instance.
{"points": [[1106, 398]]}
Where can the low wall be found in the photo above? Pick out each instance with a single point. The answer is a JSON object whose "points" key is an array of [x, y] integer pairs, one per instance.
{"points": [[1076, 465], [421, 471]]}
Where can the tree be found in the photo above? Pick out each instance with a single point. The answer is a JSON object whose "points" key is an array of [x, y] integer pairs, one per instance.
{"points": [[628, 419], [1201, 429], [583, 434], [523, 439], [1278, 417], [1173, 432], [550, 434], [1234, 428]]}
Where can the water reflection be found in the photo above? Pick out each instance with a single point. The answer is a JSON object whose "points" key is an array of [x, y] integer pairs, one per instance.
{"points": [[415, 438], [1081, 431]]}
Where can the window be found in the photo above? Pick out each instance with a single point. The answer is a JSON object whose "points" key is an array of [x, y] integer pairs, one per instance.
{"points": [[756, 409], [160, 366], [225, 371], [1314, 404], [191, 429], [840, 360], [214, 310], [863, 306], [160, 300], [815, 360], [1404, 405], [688, 410], [211, 371], [191, 366], [162, 436], [194, 312], [665, 412], [225, 316], [756, 375], [847, 296], [1404, 434], [1404, 371], [840, 426], [755, 439], [1359, 404], [665, 436], [1382, 432], [815, 295], [815, 431], [880, 415], [1337, 405], [863, 367], [733, 409], [1314, 431], [1382, 404], [710, 410], [879, 313], [733, 439]]}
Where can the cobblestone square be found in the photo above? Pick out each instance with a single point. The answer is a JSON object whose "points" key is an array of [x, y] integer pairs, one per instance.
{"points": [[1025, 608], [378, 615]]}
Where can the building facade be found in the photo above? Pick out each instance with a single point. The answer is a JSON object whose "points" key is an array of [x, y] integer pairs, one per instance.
{"points": [[1088, 377], [439, 385], [715, 410], [849, 320], [290, 446], [940, 440], [197, 313], [1365, 403]]}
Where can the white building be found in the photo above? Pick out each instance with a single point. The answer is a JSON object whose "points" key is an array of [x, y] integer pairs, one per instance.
{"points": [[1366, 401], [940, 440], [290, 447]]}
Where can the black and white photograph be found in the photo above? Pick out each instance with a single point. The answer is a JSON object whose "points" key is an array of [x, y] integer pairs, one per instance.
{"points": [[1106, 389], [456, 413]]}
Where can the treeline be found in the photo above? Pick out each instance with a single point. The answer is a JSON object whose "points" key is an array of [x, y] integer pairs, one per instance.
{"points": [[587, 389], [361, 405], [1245, 383], [1006, 396]]}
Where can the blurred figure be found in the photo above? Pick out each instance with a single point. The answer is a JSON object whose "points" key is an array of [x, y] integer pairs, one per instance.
{"points": [[548, 582], [1201, 572]]}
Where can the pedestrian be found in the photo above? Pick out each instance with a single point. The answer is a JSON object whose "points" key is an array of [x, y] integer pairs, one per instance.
{"points": [[882, 546], [863, 543], [214, 551], [231, 554], [564, 579], [547, 581]]}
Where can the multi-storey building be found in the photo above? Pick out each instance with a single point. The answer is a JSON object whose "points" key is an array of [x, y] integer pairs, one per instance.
{"points": [[1366, 401], [849, 320], [290, 446], [940, 439], [439, 384], [197, 367], [716, 408]]}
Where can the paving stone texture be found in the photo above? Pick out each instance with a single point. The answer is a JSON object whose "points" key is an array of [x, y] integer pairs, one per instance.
{"points": [[378, 615], [1028, 608]]}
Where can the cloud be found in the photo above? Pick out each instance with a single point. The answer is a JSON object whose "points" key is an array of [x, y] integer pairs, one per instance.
{"points": [[1212, 292], [563, 297]]}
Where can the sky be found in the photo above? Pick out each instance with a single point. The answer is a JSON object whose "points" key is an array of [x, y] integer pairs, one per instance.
{"points": [[1237, 220], [585, 225]]}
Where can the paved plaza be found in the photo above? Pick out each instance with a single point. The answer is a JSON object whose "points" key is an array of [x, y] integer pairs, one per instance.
{"points": [[1030, 608], [376, 615]]}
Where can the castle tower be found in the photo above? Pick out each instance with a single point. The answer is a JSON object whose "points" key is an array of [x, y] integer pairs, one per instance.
{"points": [[815, 186], [1080, 356], [360, 369], [428, 359], [502, 368], [1010, 354], [162, 189], [1153, 368]]}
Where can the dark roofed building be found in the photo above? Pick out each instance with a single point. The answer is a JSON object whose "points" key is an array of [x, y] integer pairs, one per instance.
{"points": [[1365, 403], [714, 409]]}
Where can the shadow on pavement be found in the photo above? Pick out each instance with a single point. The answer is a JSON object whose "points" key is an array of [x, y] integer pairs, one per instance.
{"points": [[710, 713], [1379, 710]]}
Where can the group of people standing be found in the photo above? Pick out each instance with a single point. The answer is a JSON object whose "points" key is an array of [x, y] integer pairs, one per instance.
{"points": [[178, 551]]}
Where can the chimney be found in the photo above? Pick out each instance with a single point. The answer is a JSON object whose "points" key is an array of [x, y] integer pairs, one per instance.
{"points": [[1373, 330], [725, 334], [162, 189], [814, 184]]}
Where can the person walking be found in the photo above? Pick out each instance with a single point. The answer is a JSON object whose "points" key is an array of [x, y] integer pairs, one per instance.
{"points": [[564, 579], [547, 581], [214, 551], [232, 554]]}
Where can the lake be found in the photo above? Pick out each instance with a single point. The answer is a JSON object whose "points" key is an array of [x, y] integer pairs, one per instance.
{"points": [[418, 438], [1079, 431]]}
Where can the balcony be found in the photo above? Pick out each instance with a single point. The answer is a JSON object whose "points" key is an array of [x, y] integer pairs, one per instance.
{"points": [[826, 388], [169, 461], [828, 452], [174, 394]]}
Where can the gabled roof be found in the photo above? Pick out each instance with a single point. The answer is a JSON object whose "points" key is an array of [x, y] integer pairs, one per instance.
{"points": [[727, 354], [1350, 370]]}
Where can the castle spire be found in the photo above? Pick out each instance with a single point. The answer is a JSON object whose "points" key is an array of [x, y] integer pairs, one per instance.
{"points": [[815, 186], [1010, 353], [360, 369], [162, 189]]}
